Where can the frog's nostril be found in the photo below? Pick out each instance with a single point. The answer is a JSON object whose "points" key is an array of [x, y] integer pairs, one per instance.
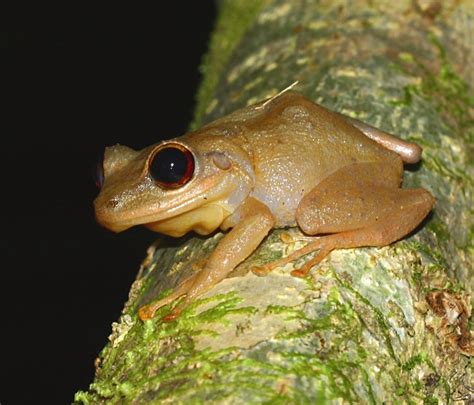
{"points": [[113, 203]]}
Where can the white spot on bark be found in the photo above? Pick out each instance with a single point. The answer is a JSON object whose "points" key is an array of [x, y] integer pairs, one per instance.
{"points": [[274, 13]]}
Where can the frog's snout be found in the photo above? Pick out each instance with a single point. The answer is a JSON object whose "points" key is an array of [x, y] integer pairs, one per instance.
{"points": [[106, 214]]}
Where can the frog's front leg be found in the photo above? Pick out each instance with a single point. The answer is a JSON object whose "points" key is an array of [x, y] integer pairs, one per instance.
{"points": [[359, 205], [250, 224]]}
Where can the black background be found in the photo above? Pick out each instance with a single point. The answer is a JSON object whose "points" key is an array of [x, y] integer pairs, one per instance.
{"points": [[72, 85]]}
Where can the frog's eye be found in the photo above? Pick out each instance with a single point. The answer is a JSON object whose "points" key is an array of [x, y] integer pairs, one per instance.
{"points": [[172, 166]]}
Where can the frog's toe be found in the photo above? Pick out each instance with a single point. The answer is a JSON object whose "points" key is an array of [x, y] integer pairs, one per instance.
{"points": [[178, 309], [173, 315], [304, 270], [299, 273], [286, 237], [148, 311], [260, 271]]}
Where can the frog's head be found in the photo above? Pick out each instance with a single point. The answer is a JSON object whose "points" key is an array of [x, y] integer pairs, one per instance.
{"points": [[189, 183]]}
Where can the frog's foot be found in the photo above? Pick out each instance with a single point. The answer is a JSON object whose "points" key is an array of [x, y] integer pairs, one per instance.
{"points": [[287, 237], [148, 311], [173, 315], [305, 269], [179, 308], [319, 243]]}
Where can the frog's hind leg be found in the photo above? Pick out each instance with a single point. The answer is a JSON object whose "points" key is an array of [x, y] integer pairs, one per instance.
{"points": [[409, 152], [353, 210]]}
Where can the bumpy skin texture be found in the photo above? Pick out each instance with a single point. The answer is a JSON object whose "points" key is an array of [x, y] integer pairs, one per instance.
{"points": [[284, 162]]}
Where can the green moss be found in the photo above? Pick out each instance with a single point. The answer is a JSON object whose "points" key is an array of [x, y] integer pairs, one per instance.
{"points": [[444, 88], [430, 400], [436, 260], [367, 383], [235, 17], [406, 101], [327, 366], [176, 372], [292, 313], [457, 97], [412, 362], [437, 165], [417, 277], [379, 317], [417, 385]]}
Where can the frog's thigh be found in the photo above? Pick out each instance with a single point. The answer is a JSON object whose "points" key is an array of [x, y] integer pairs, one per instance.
{"points": [[380, 213]]}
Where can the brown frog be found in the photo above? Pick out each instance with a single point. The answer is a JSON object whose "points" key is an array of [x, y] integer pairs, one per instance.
{"points": [[284, 162]]}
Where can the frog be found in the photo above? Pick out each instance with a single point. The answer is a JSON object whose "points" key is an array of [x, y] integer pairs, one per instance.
{"points": [[280, 163]]}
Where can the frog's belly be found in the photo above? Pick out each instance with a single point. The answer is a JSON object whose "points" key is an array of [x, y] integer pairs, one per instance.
{"points": [[283, 210], [282, 194]]}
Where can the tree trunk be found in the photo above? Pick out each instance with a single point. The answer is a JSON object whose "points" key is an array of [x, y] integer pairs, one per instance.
{"points": [[369, 325]]}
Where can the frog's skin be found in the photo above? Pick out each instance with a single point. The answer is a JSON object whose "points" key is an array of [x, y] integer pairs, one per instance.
{"points": [[282, 163]]}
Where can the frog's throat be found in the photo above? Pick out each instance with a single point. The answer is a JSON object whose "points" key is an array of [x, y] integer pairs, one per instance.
{"points": [[203, 220]]}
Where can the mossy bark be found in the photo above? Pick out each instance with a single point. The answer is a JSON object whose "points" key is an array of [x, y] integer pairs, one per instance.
{"points": [[369, 325]]}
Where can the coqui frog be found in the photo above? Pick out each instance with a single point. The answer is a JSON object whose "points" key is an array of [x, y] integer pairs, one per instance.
{"points": [[285, 162]]}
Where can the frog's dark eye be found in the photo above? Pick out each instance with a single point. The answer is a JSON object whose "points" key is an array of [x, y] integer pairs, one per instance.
{"points": [[172, 166]]}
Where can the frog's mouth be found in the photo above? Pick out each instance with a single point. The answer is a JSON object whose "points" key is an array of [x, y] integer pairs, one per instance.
{"points": [[202, 210], [117, 222], [202, 219]]}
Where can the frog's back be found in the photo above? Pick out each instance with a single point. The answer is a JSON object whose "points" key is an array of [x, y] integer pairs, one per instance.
{"points": [[294, 144]]}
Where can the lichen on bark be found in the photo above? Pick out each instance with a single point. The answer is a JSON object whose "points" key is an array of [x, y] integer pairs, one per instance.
{"points": [[369, 325]]}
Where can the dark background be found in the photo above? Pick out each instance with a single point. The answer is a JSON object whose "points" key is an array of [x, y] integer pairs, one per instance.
{"points": [[72, 85]]}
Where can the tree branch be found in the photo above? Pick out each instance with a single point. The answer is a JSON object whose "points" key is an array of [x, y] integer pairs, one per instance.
{"points": [[369, 325]]}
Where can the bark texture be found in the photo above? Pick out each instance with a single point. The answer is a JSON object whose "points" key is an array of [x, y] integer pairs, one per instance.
{"points": [[370, 325]]}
